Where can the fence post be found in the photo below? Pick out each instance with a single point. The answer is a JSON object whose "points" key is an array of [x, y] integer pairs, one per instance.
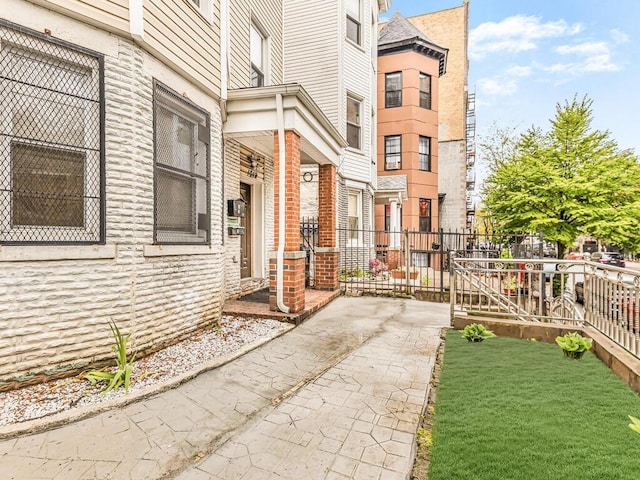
{"points": [[407, 262], [452, 289], [441, 242]]}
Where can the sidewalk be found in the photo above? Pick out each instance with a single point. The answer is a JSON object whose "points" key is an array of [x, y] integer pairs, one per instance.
{"points": [[337, 397]]}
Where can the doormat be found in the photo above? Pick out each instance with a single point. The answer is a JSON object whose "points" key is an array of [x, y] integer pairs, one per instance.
{"points": [[259, 296]]}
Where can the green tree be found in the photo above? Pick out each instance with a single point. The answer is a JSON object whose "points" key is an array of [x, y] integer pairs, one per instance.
{"points": [[569, 181]]}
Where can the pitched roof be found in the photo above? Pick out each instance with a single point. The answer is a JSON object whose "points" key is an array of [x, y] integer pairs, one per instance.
{"points": [[398, 34], [399, 29]]}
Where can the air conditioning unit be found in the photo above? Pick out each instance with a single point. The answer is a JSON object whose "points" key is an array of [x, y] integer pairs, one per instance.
{"points": [[392, 165]]}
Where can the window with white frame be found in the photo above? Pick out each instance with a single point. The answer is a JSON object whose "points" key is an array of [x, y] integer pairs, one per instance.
{"points": [[204, 7], [354, 127], [354, 215], [425, 91], [181, 147], [51, 140], [257, 48], [424, 153], [393, 152], [354, 21]]}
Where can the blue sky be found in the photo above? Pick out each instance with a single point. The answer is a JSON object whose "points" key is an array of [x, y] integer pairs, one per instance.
{"points": [[526, 56]]}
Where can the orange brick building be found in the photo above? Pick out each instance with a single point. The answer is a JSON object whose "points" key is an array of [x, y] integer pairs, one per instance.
{"points": [[409, 67]]}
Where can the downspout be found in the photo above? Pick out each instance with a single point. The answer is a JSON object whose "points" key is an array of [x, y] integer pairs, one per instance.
{"points": [[136, 20], [281, 207]]}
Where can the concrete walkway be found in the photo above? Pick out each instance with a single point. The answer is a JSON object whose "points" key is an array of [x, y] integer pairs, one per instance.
{"points": [[338, 397]]}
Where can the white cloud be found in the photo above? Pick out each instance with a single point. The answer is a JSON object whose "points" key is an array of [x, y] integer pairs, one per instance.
{"points": [[495, 87], [618, 36], [516, 34], [594, 57], [586, 48], [519, 71]]}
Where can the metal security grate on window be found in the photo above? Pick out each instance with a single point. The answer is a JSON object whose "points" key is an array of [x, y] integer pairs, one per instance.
{"points": [[51, 140], [181, 146]]}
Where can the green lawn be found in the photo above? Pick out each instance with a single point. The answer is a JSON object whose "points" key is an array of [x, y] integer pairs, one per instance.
{"points": [[511, 409]]}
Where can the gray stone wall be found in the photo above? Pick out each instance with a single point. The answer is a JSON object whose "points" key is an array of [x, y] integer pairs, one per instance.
{"points": [[54, 314]]}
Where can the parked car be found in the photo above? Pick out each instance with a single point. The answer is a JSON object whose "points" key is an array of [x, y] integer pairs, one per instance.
{"points": [[612, 258]]}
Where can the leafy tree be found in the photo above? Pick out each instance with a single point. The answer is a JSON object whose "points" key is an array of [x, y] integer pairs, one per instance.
{"points": [[569, 181]]}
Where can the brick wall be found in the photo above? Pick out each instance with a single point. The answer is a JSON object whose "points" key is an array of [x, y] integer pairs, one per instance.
{"points": [[54, 314]]}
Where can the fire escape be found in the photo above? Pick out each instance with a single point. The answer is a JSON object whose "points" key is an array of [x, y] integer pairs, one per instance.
{"points": [[471, 156]]}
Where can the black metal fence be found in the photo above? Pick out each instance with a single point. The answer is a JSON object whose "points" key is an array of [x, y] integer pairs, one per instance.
{"points": [[51, 140], [409, 262]]}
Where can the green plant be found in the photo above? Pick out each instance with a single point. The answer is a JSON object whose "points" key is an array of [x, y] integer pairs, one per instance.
{"points": [[574, 345], [122, 375], [425, 281], [505, 253], [424, 437], [635, 424], [476, 333], [510, 282]]}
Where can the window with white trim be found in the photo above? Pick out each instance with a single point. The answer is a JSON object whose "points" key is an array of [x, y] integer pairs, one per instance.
{"points": [[204, 7], [181, 148], [354, 215], [51, 140], [393, 152], [257, 52], [354, 108], [354, 21]]}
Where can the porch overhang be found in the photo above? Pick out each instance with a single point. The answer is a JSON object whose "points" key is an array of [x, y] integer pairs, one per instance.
{"points": [[251, 118], [391, 187]]}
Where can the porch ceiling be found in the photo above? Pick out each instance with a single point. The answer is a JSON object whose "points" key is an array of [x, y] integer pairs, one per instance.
{"points": [[252, 119]]}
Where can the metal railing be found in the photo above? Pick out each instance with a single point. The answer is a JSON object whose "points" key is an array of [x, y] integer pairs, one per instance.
{"points": [[409, 262], [546, 290]]}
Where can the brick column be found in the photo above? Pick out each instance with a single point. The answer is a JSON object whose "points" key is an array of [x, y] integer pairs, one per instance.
{"points": [[294, 258], [327, 256]]}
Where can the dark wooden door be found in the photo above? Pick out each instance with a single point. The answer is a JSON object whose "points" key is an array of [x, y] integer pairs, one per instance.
{"points": [[246, 239]]}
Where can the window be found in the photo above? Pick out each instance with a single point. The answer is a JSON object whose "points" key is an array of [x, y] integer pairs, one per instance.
{"points": [[424, 212], [181, 149], [393, 90], [51, 137], [204, 7], [393, 152], [353, 21], [354, 215], [424, 153], [387, 217], [353, 122], [425, 91], [257, 57]]}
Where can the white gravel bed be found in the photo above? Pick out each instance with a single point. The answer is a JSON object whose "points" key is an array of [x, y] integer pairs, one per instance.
{"points": [[56, 396]]}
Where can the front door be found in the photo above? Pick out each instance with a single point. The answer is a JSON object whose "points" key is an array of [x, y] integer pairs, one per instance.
{"points": [[245, 240]]}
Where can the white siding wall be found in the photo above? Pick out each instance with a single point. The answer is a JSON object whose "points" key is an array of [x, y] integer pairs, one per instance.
{"points": [[313, 34], [359, 79], [54, 314], [268, 13]]}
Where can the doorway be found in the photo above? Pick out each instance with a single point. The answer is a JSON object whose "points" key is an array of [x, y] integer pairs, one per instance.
{"points": [[246, 239]]}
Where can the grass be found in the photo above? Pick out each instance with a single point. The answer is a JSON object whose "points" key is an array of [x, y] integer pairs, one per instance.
{"points": [[514, 409]]}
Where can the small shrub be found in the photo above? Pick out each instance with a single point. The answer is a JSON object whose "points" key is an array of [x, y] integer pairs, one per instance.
{"points": [[574, 345], [425, 281], [635, 424], [476, 333], [122, 376], [424, 437]]}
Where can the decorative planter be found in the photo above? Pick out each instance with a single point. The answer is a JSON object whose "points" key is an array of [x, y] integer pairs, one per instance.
{"points": [[400, 275]]}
